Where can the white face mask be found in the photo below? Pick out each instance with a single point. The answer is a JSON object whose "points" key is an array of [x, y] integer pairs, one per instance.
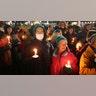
{"points": [[40, 36]]}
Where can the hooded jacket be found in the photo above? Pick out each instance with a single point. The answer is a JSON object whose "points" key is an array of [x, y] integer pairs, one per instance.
{"points": [[59, 62], [40, 65], [87, 64]]}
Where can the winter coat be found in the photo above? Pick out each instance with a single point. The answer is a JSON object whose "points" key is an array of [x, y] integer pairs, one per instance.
{"points": [[87, 64], [3, 42], [59, 62], [64, 31], [40, 65], [5, 54], [72, 45]]}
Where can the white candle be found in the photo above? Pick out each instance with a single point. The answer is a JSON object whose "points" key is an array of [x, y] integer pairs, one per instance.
{"points": [[35, 54], [68, 64]]}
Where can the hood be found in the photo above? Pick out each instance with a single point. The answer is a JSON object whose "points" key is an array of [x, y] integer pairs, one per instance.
{"points": [[34, 30], [63, 54]]}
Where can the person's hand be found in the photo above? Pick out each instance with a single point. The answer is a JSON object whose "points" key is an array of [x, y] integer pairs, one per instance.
{"points": [[10, 45], [68, 70]]}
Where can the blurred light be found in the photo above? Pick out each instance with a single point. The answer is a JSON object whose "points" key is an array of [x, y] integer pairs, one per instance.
{"points": [[36, 22], [74, 23], [9, 23]]}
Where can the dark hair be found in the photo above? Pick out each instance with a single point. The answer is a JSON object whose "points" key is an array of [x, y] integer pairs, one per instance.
{"points": [[5, 28], [69, 27]]}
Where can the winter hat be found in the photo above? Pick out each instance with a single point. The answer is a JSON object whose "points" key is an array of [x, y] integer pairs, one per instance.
{"points": [[60, 38], [57, 30], [92, 38]]}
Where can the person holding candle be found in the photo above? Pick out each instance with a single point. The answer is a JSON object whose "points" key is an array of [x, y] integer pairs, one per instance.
{"points": [[63, 61], [37, 53], [5, 54], [14, 44], [55, 34], [81, 49], [84, 32], [72, 38], [88, 58], [63, 27]]}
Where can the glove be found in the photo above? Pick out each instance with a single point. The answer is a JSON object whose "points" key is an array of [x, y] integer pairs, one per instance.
{"points": [[66, 71]]}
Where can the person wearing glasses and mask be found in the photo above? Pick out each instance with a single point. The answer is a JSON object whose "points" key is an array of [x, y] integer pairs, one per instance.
{"points": [[39, 65]]}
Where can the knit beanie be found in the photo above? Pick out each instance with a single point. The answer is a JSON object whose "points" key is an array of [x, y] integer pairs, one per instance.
{"points": [[60, 38], [92, 38]]}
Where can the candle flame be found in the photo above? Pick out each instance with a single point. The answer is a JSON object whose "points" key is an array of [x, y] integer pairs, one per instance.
{"points": [[23, 36], [73, 39], [35, 50], [35, 53], [68, 64], [78, 45]]}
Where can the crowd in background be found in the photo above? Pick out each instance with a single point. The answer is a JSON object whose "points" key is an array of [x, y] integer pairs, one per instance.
{"points": [[46, 50]]}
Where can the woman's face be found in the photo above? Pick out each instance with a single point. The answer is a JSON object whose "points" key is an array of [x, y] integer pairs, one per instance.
{"points": [[71, 30], [9, 30], [62, 45], [88, 27], [62, 25], [94, 44]]}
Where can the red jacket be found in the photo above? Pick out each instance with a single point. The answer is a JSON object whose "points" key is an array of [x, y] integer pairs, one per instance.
{"points": [[58, 62], [3, 42]]}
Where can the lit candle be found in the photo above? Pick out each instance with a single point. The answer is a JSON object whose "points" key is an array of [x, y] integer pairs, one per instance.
{"points": [[49, 38], [8, 37], [23, 37], [73, 39], [78, 45], [68, 64], [35, 54]]}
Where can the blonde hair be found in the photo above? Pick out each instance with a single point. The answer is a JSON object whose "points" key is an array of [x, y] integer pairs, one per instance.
{"points": [[62, 22]]}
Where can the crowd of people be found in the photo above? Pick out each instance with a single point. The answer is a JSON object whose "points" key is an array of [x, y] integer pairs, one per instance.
{"points": [[46, 50]]}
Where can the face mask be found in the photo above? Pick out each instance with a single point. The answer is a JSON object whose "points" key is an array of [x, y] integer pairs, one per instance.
{"points": [[40, 36]]}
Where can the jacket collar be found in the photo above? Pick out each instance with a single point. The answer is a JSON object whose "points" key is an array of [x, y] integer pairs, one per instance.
{"points": [[65, 53]]}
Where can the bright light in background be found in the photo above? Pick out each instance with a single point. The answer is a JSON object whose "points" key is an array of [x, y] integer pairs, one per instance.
{"points": [[74, 23], [47, 22], [9, 23], [36, 22], [31, 23], [27, 23]]}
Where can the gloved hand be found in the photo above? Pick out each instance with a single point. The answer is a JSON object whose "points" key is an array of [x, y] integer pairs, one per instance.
{"points": [[66, 71]]}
